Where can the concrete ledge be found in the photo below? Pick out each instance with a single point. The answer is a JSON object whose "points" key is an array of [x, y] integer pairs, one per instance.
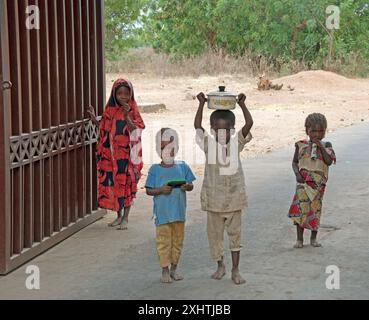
{"points": [[151, 107]]}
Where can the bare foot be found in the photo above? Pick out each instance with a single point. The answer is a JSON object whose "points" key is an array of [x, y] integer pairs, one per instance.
{"points": [[237, 278], [298, 245], [123, 225], [176, 276], [165, 277], [219, 274], [315, 243], [116, 222]]}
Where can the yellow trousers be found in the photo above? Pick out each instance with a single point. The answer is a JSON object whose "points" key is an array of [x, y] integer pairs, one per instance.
{"points": [[169, 242]]}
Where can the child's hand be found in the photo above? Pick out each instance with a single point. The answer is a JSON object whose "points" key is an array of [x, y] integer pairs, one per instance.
{"points": [[166, 189], [185, 187], [241, 99], [201, 97], [318, 143], [299, 178], [125, 108], [91, 112]]}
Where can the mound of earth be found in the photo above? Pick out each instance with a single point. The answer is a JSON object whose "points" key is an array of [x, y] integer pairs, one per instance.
{"points": [[319, 79]]}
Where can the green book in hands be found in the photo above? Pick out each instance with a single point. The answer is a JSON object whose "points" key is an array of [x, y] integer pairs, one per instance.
{"points": [[176, 183]]}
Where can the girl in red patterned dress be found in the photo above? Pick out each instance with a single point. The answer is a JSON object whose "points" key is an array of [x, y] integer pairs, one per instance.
{"points": [[310, 164], [119, 152]]}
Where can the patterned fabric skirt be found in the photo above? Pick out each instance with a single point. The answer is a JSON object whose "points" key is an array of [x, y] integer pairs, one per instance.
{"points": [[117, 189], [306, 207]]}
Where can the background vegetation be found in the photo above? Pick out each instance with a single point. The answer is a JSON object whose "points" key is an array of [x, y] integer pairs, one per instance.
{"points": [[207, 36]]}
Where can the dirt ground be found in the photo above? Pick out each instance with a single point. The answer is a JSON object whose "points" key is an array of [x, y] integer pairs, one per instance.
{"points": [[278, 115], [81, 267], [102, 263]]}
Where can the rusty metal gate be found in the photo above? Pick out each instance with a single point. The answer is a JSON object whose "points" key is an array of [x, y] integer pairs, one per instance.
{"points": [[49, 73]]}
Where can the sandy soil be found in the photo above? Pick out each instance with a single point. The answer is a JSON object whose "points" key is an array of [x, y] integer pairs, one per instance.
{"points": [[102, 263], [129, 268], [278, 115]]}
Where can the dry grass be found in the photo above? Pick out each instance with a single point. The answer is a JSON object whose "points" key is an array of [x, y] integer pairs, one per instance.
{"points": [[146, 61], [210, 63]]}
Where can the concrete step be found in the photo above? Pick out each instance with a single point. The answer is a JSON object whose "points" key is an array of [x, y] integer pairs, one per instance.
{"points": [[151, 107]]}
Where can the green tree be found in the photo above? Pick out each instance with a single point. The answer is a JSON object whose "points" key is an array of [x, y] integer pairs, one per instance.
{"points": [[181, 27], [280, 30], [122, 22]]}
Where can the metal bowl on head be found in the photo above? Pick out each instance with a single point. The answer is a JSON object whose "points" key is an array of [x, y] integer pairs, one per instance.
{"points": [[222, 100]]}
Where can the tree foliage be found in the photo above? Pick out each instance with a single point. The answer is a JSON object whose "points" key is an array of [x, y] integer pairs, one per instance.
{"points": [[279, 30], [122, 18]]}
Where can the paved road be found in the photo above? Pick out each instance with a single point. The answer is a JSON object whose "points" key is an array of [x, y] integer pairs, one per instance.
{"points": [[87, 265]]}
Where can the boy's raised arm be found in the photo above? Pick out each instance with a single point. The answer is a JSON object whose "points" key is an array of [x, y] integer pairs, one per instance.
{"points": [[200, 110], [249, 122]]}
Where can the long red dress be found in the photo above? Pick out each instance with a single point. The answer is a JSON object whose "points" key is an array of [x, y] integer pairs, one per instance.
{"points": [[119, 153]]}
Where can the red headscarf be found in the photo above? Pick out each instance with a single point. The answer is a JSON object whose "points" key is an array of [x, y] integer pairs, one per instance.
{"points": [[119, 152]]}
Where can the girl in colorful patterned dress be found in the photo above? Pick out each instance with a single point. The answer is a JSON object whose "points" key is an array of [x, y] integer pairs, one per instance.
{"points": [[119, 152], [310, 164]]}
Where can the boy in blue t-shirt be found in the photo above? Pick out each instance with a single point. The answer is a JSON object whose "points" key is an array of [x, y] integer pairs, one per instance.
{"points": [[168, 182]]}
